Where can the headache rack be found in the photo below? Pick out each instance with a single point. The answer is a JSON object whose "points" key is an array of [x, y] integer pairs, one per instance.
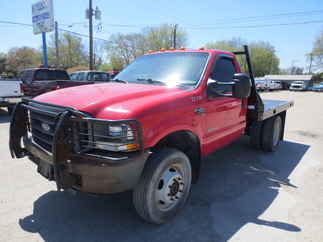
{"points": [[63, 132], [257, 109]]}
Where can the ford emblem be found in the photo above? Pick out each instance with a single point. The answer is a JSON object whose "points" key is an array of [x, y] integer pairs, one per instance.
{"points": [[45, 127]]}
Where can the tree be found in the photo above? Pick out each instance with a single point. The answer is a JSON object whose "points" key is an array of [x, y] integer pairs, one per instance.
{"points": [[263, 58], [71, 51], [124, 48], [22, 58], [295, 70], [162, 37], [317, 52], [3, 60], [318, 77]]}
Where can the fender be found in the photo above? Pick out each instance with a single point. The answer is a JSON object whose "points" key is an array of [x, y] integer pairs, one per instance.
{"points": [[153, 138]]}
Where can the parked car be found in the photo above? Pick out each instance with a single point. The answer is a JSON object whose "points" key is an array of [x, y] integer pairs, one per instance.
{"points": [[149, 129], [10, 93], [90, 76], [261, 85], [298, 86], [318, 88], [274, 85], [37, 81]]}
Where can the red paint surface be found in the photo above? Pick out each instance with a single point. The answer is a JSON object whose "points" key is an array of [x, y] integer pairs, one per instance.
{"points": [[161, 110]]}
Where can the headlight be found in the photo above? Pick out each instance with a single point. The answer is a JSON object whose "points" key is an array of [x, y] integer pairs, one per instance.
{"points": [[115, 130], [102, 135]]}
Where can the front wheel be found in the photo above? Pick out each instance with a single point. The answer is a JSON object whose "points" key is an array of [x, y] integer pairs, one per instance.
{"points": [[164, 186]]}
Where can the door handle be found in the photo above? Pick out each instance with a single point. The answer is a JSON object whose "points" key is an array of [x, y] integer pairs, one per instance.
{"points": [[199, 110]]}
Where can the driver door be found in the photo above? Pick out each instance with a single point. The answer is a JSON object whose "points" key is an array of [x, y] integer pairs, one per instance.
{"points": [[224, 119]]}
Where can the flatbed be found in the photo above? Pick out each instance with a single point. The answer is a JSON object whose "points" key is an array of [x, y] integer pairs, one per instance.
{"points": [[273, 107]]}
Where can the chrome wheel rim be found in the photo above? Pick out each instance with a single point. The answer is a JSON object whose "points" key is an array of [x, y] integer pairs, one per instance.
{"points": [[277, 128], [170, 187]]}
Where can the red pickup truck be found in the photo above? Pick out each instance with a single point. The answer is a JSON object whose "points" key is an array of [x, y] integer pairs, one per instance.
{"points": [[149, 129]]}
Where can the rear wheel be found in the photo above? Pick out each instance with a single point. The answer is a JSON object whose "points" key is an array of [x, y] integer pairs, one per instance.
{"points": [[164, 186], [271, 135]]}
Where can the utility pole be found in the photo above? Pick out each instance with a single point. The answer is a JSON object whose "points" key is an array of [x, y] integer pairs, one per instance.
{"points": [[174, 35], [90, 15], [56, 44]]}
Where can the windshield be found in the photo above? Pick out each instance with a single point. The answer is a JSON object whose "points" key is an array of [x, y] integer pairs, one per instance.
{"points": [[171, 69]]}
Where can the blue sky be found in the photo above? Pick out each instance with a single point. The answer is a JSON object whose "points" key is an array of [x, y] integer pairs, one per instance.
{"points": [[291, 42]]}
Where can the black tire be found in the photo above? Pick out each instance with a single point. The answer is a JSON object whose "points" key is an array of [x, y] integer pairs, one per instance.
{"points": [[255, 135], [272, 133], [149, 186]]}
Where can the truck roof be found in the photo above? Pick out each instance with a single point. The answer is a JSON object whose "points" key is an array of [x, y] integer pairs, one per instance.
{"points": [[202, 50], [44, 68]]}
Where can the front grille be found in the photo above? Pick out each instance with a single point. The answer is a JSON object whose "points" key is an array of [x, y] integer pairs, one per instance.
{"points": [[43, 120]]}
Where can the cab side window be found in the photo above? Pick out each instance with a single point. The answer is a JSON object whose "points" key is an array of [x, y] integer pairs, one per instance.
{"points": [[223, 71]]}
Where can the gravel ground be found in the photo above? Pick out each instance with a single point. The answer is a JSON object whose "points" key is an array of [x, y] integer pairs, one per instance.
{"points": [[243, 194]]}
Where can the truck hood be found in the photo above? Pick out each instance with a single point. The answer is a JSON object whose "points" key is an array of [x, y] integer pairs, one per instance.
{"points": [[111, 100]]}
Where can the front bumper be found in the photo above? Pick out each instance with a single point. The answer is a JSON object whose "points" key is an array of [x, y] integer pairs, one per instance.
{"points": [[111, 173], [296, 88], [9, 101]]}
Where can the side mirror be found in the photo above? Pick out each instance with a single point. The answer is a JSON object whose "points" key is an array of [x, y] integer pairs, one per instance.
{"points": [[242, 86]]}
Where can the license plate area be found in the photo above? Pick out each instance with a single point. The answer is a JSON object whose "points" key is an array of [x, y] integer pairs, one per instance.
{"points": [[46, 170]]}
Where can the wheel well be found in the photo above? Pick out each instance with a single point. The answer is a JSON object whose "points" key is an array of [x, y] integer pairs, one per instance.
{"points": [[189, 144]]}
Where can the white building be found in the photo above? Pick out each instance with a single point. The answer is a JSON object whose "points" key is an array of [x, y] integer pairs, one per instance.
{"points": [[286, 80]]}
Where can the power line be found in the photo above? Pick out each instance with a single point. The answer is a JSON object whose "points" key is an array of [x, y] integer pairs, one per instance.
{"points": [[16, 23], [192, 28], [233, 20], [65, 30], [264, 17], [256, 26]]}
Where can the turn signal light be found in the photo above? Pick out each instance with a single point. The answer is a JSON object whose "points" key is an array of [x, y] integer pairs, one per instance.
{"points": [[131, 147]]}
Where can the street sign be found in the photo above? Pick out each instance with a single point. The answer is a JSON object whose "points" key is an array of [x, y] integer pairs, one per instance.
{"points": [[43, 16]]}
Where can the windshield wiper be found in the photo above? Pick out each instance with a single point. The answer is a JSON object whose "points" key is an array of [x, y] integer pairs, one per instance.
{"points": [[151, 81], [118, 80]]}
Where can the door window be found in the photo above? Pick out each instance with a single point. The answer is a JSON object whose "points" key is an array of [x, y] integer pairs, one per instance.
{"points": [[81, 76], [99, 76], [223, 71]]}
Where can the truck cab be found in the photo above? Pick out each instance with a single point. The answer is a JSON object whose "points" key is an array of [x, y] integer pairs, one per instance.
{"points": [[147, 130]]}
